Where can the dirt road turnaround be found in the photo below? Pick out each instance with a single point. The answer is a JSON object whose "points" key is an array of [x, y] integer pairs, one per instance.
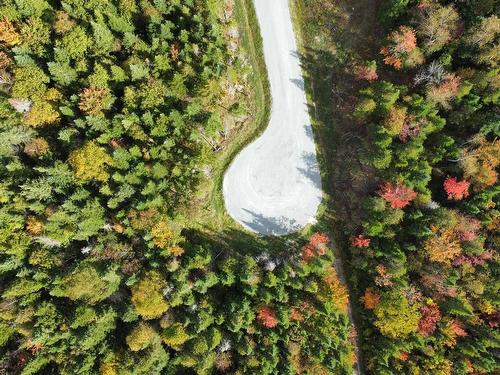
{"points": [[273, 186]]}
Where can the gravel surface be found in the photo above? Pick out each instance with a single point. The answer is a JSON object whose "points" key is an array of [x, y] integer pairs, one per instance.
{"points": [[273, 186]]}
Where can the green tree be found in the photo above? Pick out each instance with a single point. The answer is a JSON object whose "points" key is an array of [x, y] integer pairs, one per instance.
{"points": [[35, 35], [86, 283], [29, 82], [103, 39], [75, 43], [62, 73], [392, 9], [175, 336]]}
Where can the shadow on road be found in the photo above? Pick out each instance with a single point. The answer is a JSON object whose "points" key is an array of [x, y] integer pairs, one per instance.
{"points": [[311, 169], [298, 82], [308, 129], [271, 226]]}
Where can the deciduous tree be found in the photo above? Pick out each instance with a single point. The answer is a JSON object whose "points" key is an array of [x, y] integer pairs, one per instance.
{"points": [[480, 161], [35, 35], [429, 320], [395, 120], [334, 291], [396, 317], [401, 48], [141, 336], [94, 101], [370, 299], [147, 296], [443, 246], [397, 195], [37, 147], [445, 91], [8, 33], [87, 284], [90, 162], [267, 317], [484, 37], [30, 82], [360, 241], [174, 336], [63, 23], [438, 26], [456, 190], [366, 71]]}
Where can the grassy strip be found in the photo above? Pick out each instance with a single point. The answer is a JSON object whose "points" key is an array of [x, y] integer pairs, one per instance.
{"points": [[320, 130], [213, 215], [325, 46]]}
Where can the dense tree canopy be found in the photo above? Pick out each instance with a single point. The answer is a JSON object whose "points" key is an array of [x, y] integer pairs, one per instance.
{"points": [[428, 280]]}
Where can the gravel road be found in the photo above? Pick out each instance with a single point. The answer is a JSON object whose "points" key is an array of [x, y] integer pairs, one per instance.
{"points": [[273, 186]]}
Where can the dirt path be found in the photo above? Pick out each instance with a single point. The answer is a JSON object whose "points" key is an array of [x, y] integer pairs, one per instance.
{"points": [[273, 186], [357, 345]]}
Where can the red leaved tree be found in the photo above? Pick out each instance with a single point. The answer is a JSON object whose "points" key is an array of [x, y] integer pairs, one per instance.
{"points": [[316, 246], [360, 241], [318, 239], [493, 319], [398, 195], [473, 260], [401, 43], [267, 317], [457, 327], [456, 190], [366, 71], [404, 356], [467, 228], [429, 320]]}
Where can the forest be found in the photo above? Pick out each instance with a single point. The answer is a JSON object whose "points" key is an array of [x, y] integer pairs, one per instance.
{"points": [[414, 87], [110, 113]]}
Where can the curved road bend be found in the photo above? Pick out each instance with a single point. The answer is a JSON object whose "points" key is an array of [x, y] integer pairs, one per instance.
{"points": [[273, 186]]}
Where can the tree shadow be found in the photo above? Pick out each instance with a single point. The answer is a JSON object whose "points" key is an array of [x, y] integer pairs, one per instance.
{"points": [[311, 170], [341, 140], [298, 82], [295, 54], [271, 226], [308, 128], [243, 242]]}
